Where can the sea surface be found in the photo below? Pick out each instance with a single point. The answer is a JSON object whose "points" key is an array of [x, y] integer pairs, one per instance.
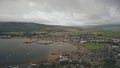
{"points": [[15, 51]]}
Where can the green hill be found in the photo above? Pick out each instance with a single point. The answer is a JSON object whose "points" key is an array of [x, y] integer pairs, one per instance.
{"points": [[109, 27], [21, 26], [29, 26]]}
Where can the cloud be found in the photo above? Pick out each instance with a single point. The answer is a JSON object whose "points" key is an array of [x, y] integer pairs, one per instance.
{"points": [[55, 17], [61, 12]]}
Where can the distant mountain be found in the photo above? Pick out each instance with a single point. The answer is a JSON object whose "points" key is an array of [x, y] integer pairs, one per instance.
{"points": [[29, 26], [109, 27], [21, 26]]}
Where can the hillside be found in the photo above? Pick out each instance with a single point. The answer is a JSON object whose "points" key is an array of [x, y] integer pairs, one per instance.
{"points": [[29, 27], [21, 26], [109, 27]]}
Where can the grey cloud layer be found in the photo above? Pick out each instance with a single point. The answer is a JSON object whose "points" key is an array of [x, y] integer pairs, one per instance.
{"points": [[61, 12]]}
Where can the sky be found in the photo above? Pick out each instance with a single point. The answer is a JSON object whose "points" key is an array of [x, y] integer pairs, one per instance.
{"points": [[61, 12]]}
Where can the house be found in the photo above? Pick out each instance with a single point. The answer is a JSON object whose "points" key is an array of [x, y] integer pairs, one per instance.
{"points": [[63, 58]]}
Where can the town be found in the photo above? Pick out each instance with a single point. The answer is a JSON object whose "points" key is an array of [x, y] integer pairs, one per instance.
{"points": [[92, 50]]}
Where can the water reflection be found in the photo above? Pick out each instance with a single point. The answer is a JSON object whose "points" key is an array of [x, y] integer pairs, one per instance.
{"points": [[16, 51]]}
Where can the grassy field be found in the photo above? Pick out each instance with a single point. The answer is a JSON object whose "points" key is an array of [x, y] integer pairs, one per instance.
{"points": [[91, 46], [106, 33]]}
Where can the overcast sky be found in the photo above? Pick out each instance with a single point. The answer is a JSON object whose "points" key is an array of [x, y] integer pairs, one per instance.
{"points": [[61, 12]]}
